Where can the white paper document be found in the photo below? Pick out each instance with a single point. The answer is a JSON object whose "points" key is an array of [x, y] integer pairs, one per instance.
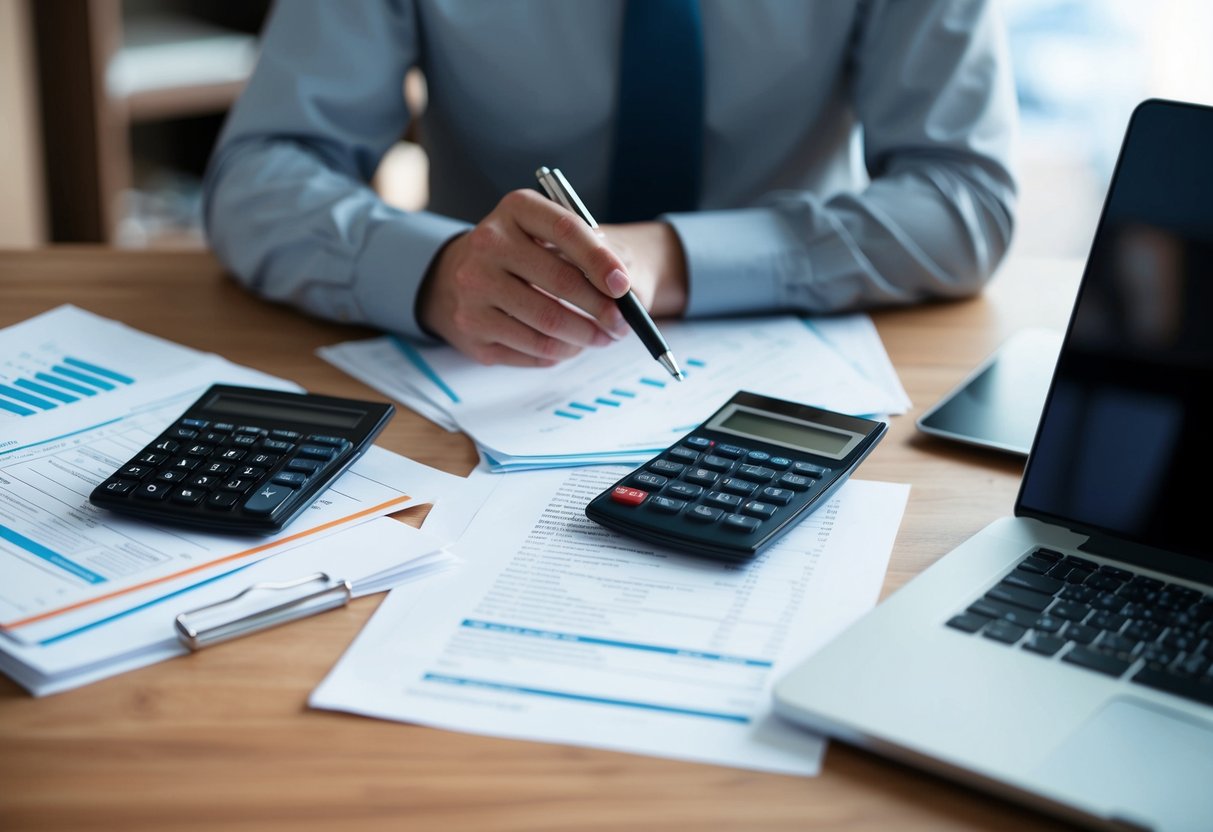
{"points": [[616, 404], [379, 554], [555, 629]]}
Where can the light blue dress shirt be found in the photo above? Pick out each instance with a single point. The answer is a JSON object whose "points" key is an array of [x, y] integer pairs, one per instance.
{"points": [[856, 154]]}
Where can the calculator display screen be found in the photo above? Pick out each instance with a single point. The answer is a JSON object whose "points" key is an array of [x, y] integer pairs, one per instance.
{"points": [[830, 442], [332, 417]]}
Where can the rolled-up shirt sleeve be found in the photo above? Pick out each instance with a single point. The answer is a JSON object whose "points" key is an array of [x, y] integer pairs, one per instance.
{"points": [[933, 90], [286, 199]]}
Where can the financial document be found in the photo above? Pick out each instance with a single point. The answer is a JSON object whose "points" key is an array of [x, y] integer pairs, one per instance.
{"points": [[615, 404], [555, 629]]}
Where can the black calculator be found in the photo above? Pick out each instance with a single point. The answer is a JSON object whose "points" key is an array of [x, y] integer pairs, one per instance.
{"points": [[735, 484], [243, 459]]}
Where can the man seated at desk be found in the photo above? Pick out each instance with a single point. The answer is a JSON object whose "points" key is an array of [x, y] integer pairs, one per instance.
{"points": [[744, 157]]}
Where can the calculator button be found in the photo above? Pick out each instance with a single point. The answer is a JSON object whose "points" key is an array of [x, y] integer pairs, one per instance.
{"points": [[779, 462], [243, 440], [172, 475], [265, 500], [283, 434], [236, 484], [307, 466], [782, 496], [700, 442], [667, 506], [134, 472], [795, 482], [731, 451], [183, 433], [808, 469], [222, 500], [232, 454], [291, 479], [664, 466], [267, 460], [152, 459], [684, 490], [118, 486], [252, 472], [335, 441], [757, 473], [716, 463], [212, 436], [226, 427], [203, 481], [757, 509], [188, 496], [653, 481], [704, 514], [195, 423], [253, 429], [757, 456], [719, 498], [700, 476], [199, 450], [167, 445], [316, 452], [687, 455], [737, 486], [628, 496], [152, 490], [275, 445], [216, 468], [185, 464], [740, 523]]}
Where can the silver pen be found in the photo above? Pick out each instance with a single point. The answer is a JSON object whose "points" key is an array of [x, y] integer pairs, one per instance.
{"points": [[561, 192]]}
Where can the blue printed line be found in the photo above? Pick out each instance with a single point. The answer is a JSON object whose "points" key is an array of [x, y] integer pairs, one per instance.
{"points": [[607, 402], [550, 635], [65, 384], [14, 408], [26, 398], [60, 436], [43, 390], [627, 394], [99, 371], [566, 414], [695, 362], [580, 406], [35, 548], [578, 697], [70, 373], [652, 382], [420, 363]]}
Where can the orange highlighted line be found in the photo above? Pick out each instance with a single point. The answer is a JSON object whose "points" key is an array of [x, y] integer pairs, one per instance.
{"points": [[42, 616]]}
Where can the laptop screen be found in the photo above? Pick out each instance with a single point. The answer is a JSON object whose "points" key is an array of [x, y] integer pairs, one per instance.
{"points": [[1125, 439]]}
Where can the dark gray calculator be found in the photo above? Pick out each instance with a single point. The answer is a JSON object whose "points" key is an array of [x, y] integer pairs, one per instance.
{"points": [[243, 459], [738, 482]]}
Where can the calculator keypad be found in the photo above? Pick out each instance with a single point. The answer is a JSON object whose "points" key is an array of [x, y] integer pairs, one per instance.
{"points": [[738, 489], [222, 469]]}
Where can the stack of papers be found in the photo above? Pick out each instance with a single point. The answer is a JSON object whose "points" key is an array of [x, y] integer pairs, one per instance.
{"points": [[616, 404], [85, 593]]}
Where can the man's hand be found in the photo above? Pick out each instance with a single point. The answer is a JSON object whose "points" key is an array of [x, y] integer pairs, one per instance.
{"points": [[529, 286]]}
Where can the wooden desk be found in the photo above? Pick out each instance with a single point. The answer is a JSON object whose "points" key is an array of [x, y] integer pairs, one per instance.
{"points": [[224, 738]]}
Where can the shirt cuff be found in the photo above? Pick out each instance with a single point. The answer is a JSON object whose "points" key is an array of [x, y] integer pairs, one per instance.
{"points": [[392, 265], [734, 260]]}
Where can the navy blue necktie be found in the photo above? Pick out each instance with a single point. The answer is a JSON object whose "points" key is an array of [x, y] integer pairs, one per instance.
{"points": [[658, 151]]}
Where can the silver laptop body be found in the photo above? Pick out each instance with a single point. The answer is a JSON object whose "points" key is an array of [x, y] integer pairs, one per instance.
{"points": [[1063, 656]]}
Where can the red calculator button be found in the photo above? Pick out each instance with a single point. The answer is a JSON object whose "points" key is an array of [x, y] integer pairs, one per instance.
{"points": [[628, 496]]}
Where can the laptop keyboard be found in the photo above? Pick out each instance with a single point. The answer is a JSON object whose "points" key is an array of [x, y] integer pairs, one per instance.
{"points": [[1103, 619]]}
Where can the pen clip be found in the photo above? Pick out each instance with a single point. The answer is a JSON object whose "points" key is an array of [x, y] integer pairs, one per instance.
{"points": [[561, 192], [222, 620]]}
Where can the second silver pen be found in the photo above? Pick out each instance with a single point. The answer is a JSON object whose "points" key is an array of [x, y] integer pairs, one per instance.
{"points": [[560, 191]]}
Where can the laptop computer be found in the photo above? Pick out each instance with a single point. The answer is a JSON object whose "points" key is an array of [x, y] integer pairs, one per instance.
{"points": [[1062, 655]]}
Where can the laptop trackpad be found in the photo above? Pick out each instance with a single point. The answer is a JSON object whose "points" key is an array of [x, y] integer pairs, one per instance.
{"points": [[1150, 763]]}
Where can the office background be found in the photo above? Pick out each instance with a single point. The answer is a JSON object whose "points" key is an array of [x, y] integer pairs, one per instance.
{"points": [[111, 107]]}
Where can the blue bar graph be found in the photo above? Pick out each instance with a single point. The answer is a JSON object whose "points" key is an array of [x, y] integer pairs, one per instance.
{"points": [[567, 415], [696, 362], [627, 394], [62, 380], [607, 402], [580, 406], [652, 382]]}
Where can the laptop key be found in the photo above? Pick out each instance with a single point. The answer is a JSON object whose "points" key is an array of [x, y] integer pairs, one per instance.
{"points": [[1005, 612], [1025, 598], [1004, 631], [1044, 644], [1094, 660], [1189, 687], [1037, 583], [968, 622]]}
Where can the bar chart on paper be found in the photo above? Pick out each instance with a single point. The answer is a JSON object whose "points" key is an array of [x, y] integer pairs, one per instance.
{"points": [[43, 379], [619, 397]]}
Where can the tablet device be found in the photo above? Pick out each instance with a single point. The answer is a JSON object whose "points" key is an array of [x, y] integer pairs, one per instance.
{"points": [[998, 405]]}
